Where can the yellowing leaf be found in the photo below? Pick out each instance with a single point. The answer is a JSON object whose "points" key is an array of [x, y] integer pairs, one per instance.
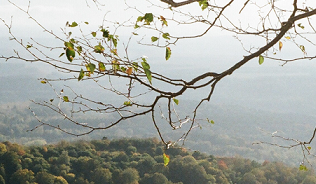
{"points": [[309, 148], [99, 48], [115, 65], [280, 45], [114, 51], [66, 99], [43, 82], [69, 45], [302, 47], [128, 103], [303, 167], [90, 67], [166, 159], [101, 67], [163, 20], [261, 59], [129, 71], [176, 101], [287, 37], [168, 53]]}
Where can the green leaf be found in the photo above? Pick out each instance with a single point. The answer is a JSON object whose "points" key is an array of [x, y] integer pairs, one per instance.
{"points": [[303, 168], [147, 71], [69, 45], [148, 18], [99, 48], [123, 69], [203, 4], [105, 33], [72, 41], [309, 148], [66, 99], [61, 54], [136, 26], [70, 53], [300, 25], [176, 101], [166, 36], [261, 59], [127, 103], [153, 38], [81, 75], [90, 67], [115, 65], [79, 49], [135, 66], [94, 34], [139, 19], [28, 46], [113, 39], [210, 121], [168, 53], [73, 24], [114, 42], [166, 159], [101, 67], [86, 23]]}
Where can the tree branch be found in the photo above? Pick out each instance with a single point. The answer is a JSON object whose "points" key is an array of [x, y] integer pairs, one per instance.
{"points": [[174, 4]]}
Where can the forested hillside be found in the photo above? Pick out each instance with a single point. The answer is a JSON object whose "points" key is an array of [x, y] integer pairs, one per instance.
{"points": [[230, 135], [133, 161]]}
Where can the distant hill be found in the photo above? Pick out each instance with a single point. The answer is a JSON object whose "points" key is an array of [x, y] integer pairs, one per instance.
{"points": [[233, 133]]}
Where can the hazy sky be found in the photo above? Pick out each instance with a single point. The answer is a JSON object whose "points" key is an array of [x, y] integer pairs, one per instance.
{"points": [[266, 86]]}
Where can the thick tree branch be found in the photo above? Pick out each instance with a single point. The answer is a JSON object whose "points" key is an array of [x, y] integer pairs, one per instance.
{"points": [[174, 4]]}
